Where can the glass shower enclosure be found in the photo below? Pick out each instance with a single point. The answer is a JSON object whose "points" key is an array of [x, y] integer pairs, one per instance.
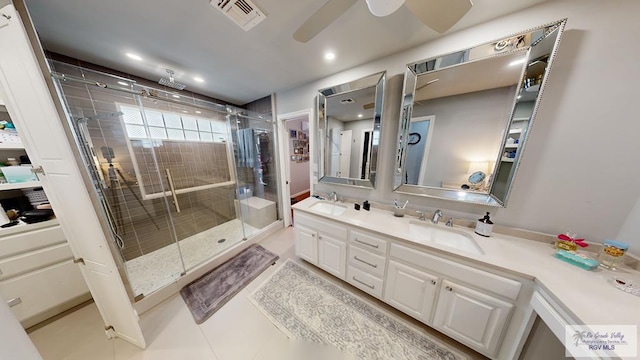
{"points": [[180, 180]]}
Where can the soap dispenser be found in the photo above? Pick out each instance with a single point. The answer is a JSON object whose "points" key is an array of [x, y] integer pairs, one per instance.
{"points": [[484, 226]]}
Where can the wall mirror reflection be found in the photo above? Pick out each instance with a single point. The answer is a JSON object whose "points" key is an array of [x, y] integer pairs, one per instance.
{"points": [[349, 119], [465, 117]]}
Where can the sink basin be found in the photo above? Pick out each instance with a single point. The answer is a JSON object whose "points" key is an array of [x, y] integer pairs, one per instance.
{"points": [[328, 208], [446, 237]]}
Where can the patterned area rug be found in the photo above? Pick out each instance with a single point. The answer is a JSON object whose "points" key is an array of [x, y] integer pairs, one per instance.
{"points": [[306, 306], [208, 293]]}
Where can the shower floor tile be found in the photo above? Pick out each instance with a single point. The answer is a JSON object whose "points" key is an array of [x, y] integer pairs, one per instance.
{"points": [[152, 271]]}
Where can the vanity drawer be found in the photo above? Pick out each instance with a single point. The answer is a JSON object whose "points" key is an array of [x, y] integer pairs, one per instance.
{"points": [[34, 260], [364, 281], [31, 240], [368, 241], [481, 279], [367, 261], [320, 225], [37, 292]]}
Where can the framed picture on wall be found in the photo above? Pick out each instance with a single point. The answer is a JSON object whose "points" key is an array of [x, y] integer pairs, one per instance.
{"points": [[296, 150], [294, 134], [296, 143], [299, 158], [300, 135], [294, 157]]}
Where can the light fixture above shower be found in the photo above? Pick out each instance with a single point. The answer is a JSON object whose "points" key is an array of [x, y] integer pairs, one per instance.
{"points": [[171, 81]]}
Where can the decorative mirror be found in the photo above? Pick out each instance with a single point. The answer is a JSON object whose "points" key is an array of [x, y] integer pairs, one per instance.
{"points": [[466, 115], [349, 119]]}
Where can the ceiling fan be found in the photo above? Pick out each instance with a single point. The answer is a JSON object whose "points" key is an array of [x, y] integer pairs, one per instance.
{"points": [[440, 15]]}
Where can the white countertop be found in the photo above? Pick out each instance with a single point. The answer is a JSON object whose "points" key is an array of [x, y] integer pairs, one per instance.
{"points": [[587, 296]]}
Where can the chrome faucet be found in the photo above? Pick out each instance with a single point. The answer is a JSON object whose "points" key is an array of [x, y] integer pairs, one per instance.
{"points": [[421, 218], [436, 216], [333, 196]]}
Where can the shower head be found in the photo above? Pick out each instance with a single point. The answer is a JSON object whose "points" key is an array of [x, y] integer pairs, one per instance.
{"points": [[170, 82]]}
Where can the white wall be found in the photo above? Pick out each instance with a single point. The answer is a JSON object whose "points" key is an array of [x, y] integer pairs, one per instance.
{"points": [[580, 169], [468, 128], [356, 143], [299, 172]]}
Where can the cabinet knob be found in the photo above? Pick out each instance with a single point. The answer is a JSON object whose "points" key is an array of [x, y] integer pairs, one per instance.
{"points": [[433, 282], [313, 235], [449, 288], [319, 237]]}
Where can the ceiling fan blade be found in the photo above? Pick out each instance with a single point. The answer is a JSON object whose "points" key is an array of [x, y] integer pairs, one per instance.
{"points": [[327, 14], [440, 15]]}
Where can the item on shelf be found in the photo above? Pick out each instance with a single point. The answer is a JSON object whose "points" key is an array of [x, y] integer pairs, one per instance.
{"points": [[18, 174], [579, 260], [24, 159], [36, 196], [356, 206], [366, 205], [626, 285], [484, 226], [34, 216], [3, 216], [12, 162], [10, 224], [12, 214], [611, 253]]}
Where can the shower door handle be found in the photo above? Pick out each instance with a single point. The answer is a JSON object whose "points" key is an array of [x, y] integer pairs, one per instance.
{"points": [[173, 190]]}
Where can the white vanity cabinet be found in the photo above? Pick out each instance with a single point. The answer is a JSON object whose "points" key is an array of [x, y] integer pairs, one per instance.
{"points": [[468, 304], [322, 243], [411, 291], [472, 317]]}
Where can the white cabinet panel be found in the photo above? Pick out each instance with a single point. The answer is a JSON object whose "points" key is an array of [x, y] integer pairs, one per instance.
{"points": [[39, 289], [365, 281], [332, 255], [411, 291], [366, 261], [471, 317], [34, 260], [306, 244]]}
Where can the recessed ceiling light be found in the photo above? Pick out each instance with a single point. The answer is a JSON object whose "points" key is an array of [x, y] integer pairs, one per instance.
{"points": [[134, 56], [198, 112], [329, 55], [185, 111], [519, 96], [123, 83], [359, 115], [198, 79], [176, 96], [518, 62]]}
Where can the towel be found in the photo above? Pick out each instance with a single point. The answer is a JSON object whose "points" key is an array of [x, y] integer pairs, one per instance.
{"points": [[246, 148]]}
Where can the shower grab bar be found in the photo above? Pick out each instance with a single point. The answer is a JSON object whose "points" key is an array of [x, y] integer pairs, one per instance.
{"points": [[173, 190]]}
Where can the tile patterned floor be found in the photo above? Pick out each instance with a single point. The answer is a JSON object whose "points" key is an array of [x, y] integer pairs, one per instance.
{"points": [[238, 331]]}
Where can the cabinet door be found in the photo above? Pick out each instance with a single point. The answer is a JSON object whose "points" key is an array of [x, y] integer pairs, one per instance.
{"points": [[475, 319], [410, 291], [306, 244], [332, 255]]}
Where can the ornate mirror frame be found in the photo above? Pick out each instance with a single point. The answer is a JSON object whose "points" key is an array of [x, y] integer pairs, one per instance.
{"points": [[372, 82], [500, 180]]}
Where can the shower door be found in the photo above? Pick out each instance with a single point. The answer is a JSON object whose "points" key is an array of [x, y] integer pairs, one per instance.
{"points": [[142, 226]]}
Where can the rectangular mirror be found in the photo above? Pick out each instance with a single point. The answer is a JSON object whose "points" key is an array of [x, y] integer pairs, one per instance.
{"points": [[465, 117], [349, 120]]}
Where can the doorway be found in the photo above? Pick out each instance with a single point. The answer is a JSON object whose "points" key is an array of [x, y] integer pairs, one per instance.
{"points": [[294, 149]]}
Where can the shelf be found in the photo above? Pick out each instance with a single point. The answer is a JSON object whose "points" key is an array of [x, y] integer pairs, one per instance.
{"points": [[515, 131], [511, 146], [520, 119], [508, 160], [23, 185], [11, 146], [23, 227]]}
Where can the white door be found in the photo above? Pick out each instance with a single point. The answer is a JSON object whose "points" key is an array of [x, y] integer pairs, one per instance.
{"points": [[32, 109], [411, 291], [471, 317], [306, 243], [332, 255], [345, 152], [335, 152]]}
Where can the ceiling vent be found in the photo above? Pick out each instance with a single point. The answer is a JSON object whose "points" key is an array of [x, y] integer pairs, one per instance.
{"points": [[347, 101], [243, 12]]}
